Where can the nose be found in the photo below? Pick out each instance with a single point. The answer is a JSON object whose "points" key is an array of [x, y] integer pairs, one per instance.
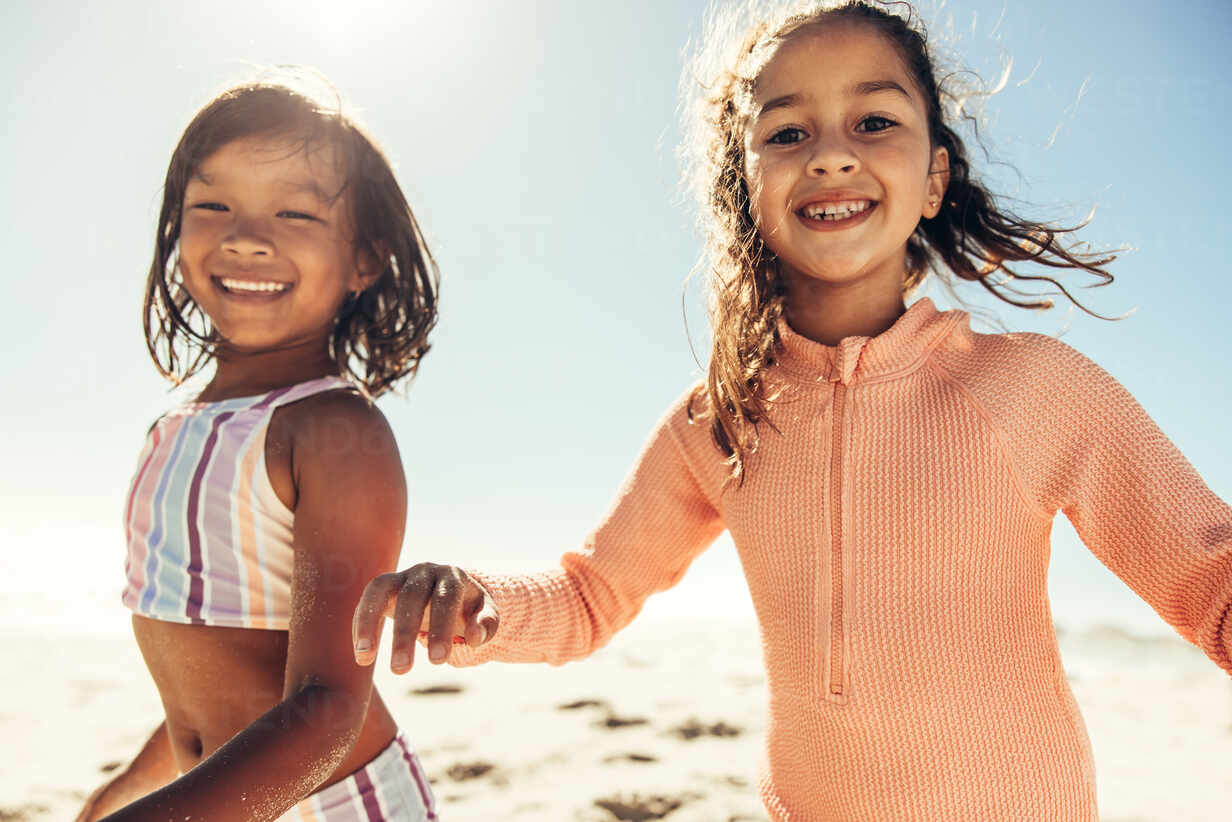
{"points": [[247, 237], [832, 155]]}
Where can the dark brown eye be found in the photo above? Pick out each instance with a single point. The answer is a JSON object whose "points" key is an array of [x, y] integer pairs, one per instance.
{"points": [[877, 123], [786, 136]]}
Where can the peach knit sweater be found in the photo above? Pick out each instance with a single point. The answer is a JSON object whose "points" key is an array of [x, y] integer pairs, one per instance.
{"points": [[894, 533]]}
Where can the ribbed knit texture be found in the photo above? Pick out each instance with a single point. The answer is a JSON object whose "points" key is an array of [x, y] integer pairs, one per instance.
{"points": [[898, 564]]}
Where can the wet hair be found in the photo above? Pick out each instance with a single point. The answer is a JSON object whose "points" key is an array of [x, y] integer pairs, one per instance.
{"points": [[971, 238], [380, 333]]}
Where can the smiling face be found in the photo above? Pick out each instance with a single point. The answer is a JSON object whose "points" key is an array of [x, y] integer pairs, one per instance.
{"points": [[837, 157], [265, 243]]}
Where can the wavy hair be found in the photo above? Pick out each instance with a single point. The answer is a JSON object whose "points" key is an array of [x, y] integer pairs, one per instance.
{"points": [[380, 334], [971, 238]]}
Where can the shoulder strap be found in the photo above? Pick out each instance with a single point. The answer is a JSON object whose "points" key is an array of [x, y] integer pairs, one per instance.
{"points": [[299, 391]]}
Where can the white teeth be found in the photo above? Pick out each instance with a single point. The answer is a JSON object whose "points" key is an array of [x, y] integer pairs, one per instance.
{"points": [[249, 285], [836, 211]]}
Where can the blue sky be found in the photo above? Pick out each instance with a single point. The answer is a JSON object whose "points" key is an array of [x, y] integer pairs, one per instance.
{"points": [[535, 141]]}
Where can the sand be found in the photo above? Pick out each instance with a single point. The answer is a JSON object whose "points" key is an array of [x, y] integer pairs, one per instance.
{"points": [[665, 723]]}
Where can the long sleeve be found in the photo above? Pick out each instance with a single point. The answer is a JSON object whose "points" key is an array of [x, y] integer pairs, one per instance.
{"points": [[1135, 501], [659, 522]]}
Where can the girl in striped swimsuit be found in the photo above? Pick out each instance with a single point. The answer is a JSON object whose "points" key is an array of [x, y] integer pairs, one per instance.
{"points": [[286, 255]]}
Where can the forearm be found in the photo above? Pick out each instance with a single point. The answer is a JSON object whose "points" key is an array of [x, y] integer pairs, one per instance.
{"points": [[528, 604], [661, 520], [266, 768], [152, 767], [1227, 638], [572, 611], [1212, 631], [556, 616]]}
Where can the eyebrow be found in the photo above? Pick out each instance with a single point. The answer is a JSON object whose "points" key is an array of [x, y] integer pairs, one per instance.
{"points": [[860, 89], [310, 187]]}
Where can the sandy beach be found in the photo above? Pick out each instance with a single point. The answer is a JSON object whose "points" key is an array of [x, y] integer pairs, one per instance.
{"points": [[665, 723]]}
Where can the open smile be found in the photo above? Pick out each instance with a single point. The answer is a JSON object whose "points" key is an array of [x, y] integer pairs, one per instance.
{"points": [[251, 288], [833, 216]]}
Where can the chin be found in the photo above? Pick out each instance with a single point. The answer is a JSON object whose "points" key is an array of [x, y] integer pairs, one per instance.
{"points": [[831, 275], [250, 344]]}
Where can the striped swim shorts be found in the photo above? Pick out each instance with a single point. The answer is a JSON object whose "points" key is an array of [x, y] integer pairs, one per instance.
{"points": [[390, 788]]}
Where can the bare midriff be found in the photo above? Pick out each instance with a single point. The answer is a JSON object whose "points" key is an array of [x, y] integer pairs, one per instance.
{"points": [[214, 682]]}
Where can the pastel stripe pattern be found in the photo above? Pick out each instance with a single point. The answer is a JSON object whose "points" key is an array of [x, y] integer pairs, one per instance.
{"points": [[176, 433], [135, 561], [246, 536], [209, 542], [423, 791], [390, 788]]}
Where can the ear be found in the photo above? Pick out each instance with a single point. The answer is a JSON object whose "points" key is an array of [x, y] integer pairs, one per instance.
{"points": [[938, 182]]}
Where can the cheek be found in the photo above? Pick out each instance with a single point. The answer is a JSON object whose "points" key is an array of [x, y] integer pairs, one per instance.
{"points": [[190, 271], [345, 263], [196, 240], [759, 180], [908, 172], [190, 236]]}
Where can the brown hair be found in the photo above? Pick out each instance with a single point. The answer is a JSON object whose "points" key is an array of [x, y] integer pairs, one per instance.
{"points": [[971, 237], [380, 334]]}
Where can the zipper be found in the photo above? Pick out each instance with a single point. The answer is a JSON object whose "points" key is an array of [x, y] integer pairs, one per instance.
{"points": [[836, 541]]}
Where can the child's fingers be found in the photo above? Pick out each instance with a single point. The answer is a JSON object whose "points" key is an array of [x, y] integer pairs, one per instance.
{"points": [[408, 614], [446, 613], [374, 604], [483, 623]]}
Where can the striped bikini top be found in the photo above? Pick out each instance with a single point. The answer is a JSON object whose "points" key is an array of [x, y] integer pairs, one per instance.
{"points": [[209, 542]]}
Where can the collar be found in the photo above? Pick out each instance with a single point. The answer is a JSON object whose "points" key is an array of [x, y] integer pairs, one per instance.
{"points": [[901, 348]]}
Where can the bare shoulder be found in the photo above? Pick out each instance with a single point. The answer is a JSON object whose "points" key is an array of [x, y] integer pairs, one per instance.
{"points": [[334, 421], [333, 435]]}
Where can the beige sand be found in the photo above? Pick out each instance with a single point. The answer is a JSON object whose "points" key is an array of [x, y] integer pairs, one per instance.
{"points": [[665, 723]]}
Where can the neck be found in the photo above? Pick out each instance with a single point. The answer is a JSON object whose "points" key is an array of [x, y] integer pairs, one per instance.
{"points": [[244, 373], [827, 312]]}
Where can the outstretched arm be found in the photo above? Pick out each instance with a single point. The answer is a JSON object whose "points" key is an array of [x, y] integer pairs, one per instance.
{"points": [[349, 518], [661, 519], [1139, 505]]}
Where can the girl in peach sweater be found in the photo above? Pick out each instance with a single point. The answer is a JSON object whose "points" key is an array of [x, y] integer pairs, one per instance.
{"points": [[889, 476]]}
